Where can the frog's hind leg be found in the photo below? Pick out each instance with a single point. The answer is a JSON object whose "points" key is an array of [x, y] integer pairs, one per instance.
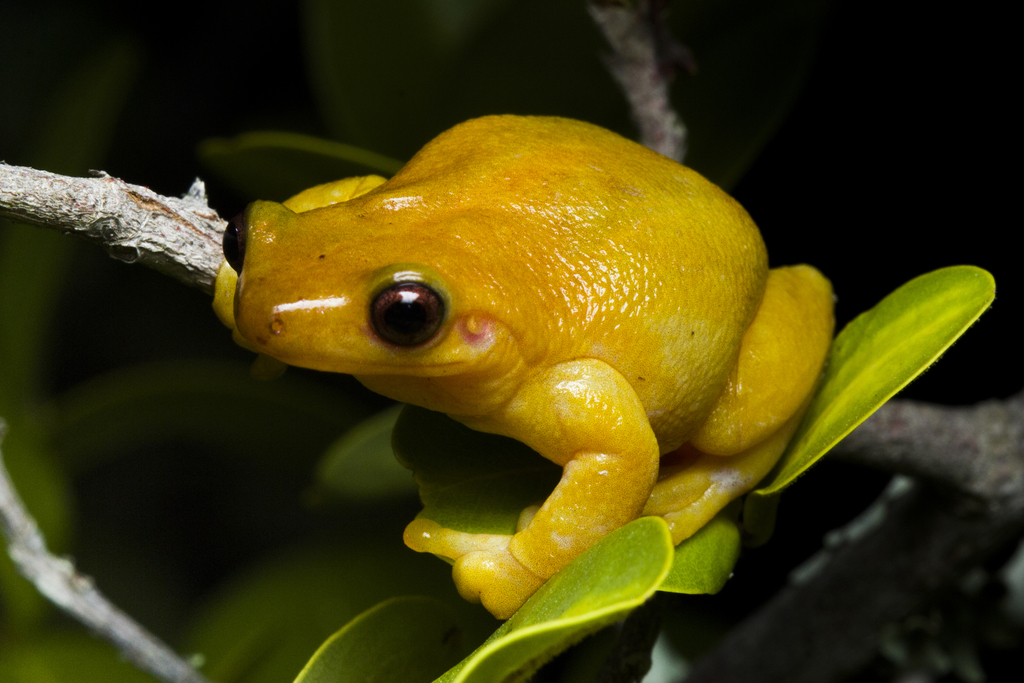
{"points": [[692, 491], [779, 364]]}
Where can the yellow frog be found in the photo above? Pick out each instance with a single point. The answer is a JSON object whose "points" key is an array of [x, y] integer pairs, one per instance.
{"points": [[554, 282]]}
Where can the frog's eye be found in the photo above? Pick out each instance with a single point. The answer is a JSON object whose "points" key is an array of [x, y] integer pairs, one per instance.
{"points": [[407, 313], [234, 242]]}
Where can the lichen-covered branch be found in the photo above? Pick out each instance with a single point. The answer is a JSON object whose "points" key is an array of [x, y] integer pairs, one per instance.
{"points": [[178, 236], [642, 64], [57, 579], [917, 540]]}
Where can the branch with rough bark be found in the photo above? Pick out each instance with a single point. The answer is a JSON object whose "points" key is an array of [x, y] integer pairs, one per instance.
{"points": [[178, 236], [57, 579], [644, 60]]}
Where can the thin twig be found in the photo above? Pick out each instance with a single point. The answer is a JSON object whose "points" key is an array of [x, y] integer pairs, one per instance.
{"points": [[57, 579], [643, 62], [178, 236]]}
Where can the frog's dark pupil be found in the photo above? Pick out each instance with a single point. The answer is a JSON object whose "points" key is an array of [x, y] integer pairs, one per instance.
{"points": [[406, 317], [234, 242]]}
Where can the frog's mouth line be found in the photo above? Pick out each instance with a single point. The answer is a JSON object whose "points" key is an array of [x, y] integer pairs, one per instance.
{"points": [[347, 360], [384, 369]]}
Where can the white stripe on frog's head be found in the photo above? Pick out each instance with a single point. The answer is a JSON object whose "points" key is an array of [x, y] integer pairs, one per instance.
{"points": [[312, 304]]}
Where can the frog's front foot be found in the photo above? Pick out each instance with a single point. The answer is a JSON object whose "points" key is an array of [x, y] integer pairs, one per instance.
{"points": [[485, 571]]}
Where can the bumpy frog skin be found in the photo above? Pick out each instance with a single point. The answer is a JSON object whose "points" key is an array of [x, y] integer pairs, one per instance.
{"points": [[551, 281]]}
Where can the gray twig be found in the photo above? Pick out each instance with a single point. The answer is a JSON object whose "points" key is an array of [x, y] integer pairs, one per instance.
{"points": [[918, 540], [57, 579], [179, 236], [642, 63]]}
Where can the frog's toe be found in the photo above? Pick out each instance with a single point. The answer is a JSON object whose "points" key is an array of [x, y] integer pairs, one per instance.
{"points": [[526, 516], [427, 536], [496, 579]]}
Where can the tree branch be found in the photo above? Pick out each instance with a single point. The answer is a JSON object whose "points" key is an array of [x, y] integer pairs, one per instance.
{"points": [[917, 540], [57, 579], [967, 449], [644, 59], [180, 237]]}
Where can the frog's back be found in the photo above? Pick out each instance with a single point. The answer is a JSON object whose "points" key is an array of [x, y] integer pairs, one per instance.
{"points": [[589, 245]]}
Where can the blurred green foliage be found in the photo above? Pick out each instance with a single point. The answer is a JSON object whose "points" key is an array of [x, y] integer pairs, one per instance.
{"points": [[230, 516]]}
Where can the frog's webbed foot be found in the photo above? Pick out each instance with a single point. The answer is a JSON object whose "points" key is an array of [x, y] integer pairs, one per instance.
{"points": [[485, 571]]}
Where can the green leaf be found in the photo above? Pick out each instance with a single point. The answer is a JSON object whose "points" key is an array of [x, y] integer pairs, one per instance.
{"points": [[401, 640], [277, 165], [704, 562], [262, 626], [878, 354], [59, 657], [599, 587], [361, 464], [469, 480]]}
